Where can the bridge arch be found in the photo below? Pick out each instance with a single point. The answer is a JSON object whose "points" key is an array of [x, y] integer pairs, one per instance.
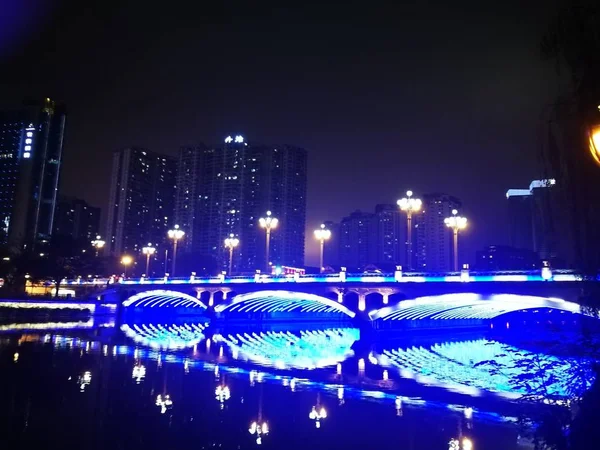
{"points": [[161, 298], [469, 306], [282, 302]]}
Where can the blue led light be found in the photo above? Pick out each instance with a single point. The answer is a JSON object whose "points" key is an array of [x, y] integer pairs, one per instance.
{"points": [[282, 301], [285, 350], [453, 365], [469, 306], [163, 298], [165, 336]]}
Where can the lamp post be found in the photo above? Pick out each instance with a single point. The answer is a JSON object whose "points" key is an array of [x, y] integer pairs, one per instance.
{"points": [[456, 223], [268, 223], [409, 205], [230, 243], [595, 142], [148, 251], [322, 234], [126, 261], [176, 234], [98, 244]]}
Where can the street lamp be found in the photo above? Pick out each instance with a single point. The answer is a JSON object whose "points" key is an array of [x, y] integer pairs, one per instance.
{"points": [[148, 251], [322, 234], [231, 242], [126, 261], [595, 142], [175, 234], [268, 223], [98, 244], [456, 223], [409, 205]]}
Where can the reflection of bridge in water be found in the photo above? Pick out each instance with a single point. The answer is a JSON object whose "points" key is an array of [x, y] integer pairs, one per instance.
{"points": [[454, 366]]}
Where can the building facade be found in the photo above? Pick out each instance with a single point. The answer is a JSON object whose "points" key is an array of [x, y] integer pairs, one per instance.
{"points": [[536, 224], [390, 244], [31, 148], [434, 247], [141, 200], [234, 185], [187, 196], [331, 248], [358, 233], [77, 219], [503, 257]]}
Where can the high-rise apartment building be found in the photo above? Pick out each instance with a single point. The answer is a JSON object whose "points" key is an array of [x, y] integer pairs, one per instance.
{"points": [[77, 219], [230, 187], [31, 146], [390, 235], [331, 248], [358, 233], [535, 223], [434, 240], [187, 197], [142, 198]]}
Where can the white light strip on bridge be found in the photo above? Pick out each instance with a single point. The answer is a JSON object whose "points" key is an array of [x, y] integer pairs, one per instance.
{"points": [[47, 305]]}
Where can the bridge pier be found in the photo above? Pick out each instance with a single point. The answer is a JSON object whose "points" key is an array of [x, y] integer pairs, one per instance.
{"points": [[362, 301]]}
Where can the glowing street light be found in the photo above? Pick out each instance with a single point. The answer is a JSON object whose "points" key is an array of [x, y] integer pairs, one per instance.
{"points": [[230, 243], [176, 234], [409, 205], [126, 261], [268, 223], [595, 142], [456, 223], [98, 244], [148, 251], [259, 430], [322, 234]]}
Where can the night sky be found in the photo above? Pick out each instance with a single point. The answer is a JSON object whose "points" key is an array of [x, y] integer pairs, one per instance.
{"points": [[434, 96]]}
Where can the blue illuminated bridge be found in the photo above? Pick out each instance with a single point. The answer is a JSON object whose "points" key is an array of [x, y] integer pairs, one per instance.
{"points": [[398, 298]]}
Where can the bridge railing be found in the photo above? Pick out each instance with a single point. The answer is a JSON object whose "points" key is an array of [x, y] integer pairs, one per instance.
{"points": [[396, 277]]}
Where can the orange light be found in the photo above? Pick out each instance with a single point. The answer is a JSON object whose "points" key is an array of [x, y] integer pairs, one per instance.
{"points": [[595, 143]]}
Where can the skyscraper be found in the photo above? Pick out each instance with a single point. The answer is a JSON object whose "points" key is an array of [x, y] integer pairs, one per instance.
{"points": [[534, 222], [31, 146], [188, 199], [358, 233], [331, 249], [434, 240], [77, 219], [391, 235], [141, 202], [235, 185]]}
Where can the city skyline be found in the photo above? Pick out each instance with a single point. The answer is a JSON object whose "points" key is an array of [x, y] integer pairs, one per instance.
{"points": [[407, 108]]}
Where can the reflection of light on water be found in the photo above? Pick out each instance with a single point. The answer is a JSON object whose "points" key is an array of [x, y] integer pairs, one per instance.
{"points": [[317, 414], [172, 336], [259, 430], [305, 350], [85, 380], [222, 394], [164, 402], [16, 357], [138, 373], [398, 403], [361, 366], [454, 365]]}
